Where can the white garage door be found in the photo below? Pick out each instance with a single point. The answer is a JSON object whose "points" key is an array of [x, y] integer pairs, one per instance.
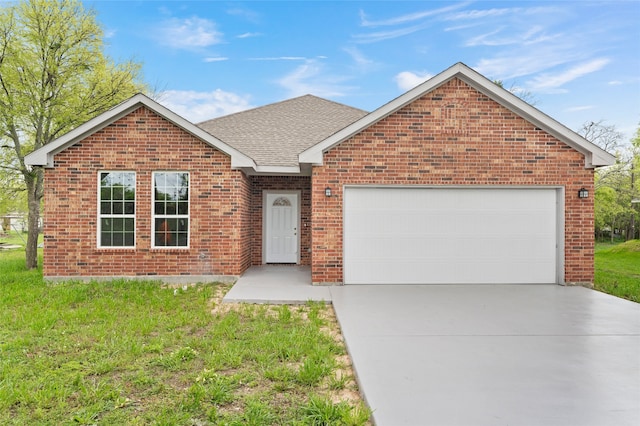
{"points": [[400, 235]]}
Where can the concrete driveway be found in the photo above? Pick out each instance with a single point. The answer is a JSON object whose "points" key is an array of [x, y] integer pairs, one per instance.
{"points": [[493, 354]]}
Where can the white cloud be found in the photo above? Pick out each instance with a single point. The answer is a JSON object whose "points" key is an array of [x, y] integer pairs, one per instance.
{"points": [[189, 33], [500, 13], [387, 35], [200, 106], [280, 58], [247, 14], [462, 26], [411, 17], [579, 108], [249, 35], [419, 18], [407, 80], [496, 38], [506, 67], [362, 63], [311, 78], [215, 59], [615, 83], [552, 81], [518, 63], [481, 14]]}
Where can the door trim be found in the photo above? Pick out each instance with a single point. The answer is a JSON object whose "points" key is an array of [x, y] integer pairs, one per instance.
{"points": [[266, 192]]}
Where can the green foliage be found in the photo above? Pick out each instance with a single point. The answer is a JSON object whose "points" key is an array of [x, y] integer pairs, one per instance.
{"points": [[618, 269], [54, 76], [627, 247], [617, 187], [323, 412], [138, 352]]}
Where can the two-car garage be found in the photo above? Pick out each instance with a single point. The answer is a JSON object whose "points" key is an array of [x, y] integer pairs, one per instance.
{"points": [[453, 235]]}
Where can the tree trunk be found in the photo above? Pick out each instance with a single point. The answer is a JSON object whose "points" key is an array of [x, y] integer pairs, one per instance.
{"points": [[33, 180], [612, 229], [632, 219]]}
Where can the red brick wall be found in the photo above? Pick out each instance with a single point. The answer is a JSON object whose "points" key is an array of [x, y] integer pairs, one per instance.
{"points": [[220, 219], [259, 184], [453, 135]]}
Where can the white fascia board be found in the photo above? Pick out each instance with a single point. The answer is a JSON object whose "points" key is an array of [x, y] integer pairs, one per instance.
{"points": [[44, 156], [274, 171], [594, 155]]}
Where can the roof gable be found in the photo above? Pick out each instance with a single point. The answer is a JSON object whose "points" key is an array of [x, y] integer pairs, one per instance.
{"points": [[594, 156], [45, 155]]}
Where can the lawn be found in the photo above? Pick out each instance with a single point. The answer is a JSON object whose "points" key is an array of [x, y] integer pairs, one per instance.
{"points": [[126, 352], [138, 352], [16, 238], [618, 269]]}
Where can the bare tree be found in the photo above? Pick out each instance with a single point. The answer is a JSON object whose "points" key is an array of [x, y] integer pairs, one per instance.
{"points": [[606, 136], [520, 92]]}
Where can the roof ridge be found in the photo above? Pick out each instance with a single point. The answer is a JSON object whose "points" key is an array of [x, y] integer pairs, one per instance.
{"points": [[337, 103], [284, 101]]}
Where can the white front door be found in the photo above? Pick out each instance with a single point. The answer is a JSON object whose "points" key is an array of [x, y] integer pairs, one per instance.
{"points": [[281, 228]]}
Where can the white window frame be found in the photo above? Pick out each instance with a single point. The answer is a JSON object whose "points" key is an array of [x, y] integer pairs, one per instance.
{"points": [[111, 215], [155, 216]]}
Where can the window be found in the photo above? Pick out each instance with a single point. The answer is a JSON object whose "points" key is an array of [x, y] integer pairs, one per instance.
{"points": [[282, 202], [171, 209], [117, 209]]}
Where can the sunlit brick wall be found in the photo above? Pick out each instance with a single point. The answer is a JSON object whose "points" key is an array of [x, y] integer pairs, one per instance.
{"points": [[453, 135], [143, 142]]}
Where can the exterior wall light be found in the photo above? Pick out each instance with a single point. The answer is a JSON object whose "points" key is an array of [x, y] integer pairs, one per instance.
{"points": [[327, 192], [583, 193]]}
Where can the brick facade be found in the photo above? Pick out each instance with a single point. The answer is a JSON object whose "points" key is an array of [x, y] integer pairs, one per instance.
{"points": [[453, 135], [220, 199]]}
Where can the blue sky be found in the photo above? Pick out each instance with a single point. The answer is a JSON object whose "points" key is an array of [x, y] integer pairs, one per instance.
{"points": [[579, 59]]}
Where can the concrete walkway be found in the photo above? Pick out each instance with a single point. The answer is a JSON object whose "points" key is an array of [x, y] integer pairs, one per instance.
{"points": [[276, 284], [478, 354]]}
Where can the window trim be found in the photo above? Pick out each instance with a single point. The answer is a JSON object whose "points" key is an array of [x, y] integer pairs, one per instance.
{"points": [[154, 216], [100, 215]]}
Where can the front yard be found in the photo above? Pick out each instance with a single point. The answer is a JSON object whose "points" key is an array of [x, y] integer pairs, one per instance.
{"points": [[142, 353], [127, 352], [618, 269]]}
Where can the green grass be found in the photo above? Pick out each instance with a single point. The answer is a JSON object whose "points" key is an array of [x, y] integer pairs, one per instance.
{"points": [[14, 238], [618, 269], [137, 352]]}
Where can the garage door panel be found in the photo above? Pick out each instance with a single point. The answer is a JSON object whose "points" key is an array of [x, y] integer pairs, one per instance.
{"points": [[427, 235]]}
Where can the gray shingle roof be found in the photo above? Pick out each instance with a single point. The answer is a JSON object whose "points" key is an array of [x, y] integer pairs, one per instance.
{"points": [[274, 135]]}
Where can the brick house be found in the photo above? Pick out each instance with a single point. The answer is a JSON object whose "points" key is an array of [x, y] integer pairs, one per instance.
{"points": [[455, 181]]}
